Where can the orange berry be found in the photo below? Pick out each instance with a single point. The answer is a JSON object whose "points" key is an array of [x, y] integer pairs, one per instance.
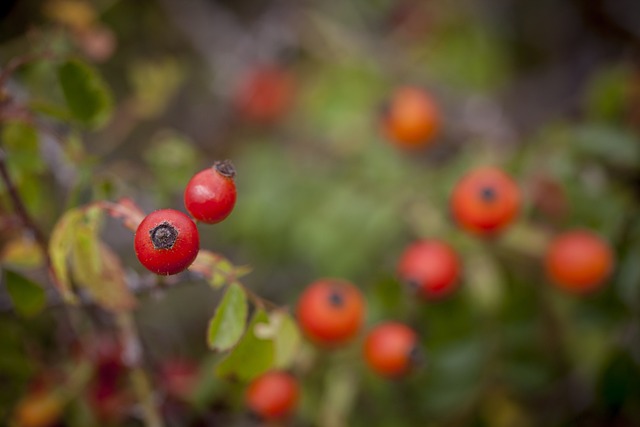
{"points": [[431, 266], [390, 349], [578, 261], [273, 395], [331, 311], [39, 409], [485, 201], [412, 119]]}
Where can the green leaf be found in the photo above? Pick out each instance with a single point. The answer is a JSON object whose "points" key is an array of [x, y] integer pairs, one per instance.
{"points": [[619, 381], [336, 96], [283, 330], [526, 375], [172, 158], [86, 261], [609, 144], [87, 95], [22, 252], [607, 93], [252, 356], [287, 340], [54, 111], [60, 246], [27, 296], [228, 323], [208, 387], [628, 283], [21, 143], [484, 282], [340, 392], [221, 273], [154, 84], [455, 373], [15, 364], [468, 57]]}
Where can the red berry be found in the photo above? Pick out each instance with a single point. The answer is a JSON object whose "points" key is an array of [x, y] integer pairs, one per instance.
{"points": [[211, 194], [179, 377], [107, 354], [485, 201], [578, 261], [109, 402], [266, 94], [431, 266], [273, 395], [331, 311], [166, 241], [391, 349]]}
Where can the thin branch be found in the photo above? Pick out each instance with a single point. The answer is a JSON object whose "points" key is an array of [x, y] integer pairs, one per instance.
{"points": [[20, 209], [18, 62], [133, 355], [12, 66], [67, 322], [258, 300]]}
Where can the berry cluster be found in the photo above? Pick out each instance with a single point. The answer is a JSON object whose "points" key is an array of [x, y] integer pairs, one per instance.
{"points": [[167, 241], [331, 311], [484, 202]]}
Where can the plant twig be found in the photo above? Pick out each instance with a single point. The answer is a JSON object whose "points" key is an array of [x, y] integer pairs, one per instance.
{"points": [[133, 357], [258, 300], [20, 209], [18, 62]]}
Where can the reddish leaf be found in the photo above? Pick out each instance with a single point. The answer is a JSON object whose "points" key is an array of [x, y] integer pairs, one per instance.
{"points": [[96, 268], [125, 210], [113, 293], [75, 243]]}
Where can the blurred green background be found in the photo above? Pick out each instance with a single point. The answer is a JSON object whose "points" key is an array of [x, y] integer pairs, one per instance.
{"points": [[548, 90]]}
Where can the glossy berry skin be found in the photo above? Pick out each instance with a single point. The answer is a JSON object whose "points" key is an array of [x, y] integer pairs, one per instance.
{"points": [[391, 349], [431, 267], [578, 261], [266, 94], [485, 201], [166, 242], [272, 396], [211, 194], [412, 118], [330, 311]]}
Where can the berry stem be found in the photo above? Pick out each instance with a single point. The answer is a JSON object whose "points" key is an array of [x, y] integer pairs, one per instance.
{"points": [[225, 168], [258, 300]]}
